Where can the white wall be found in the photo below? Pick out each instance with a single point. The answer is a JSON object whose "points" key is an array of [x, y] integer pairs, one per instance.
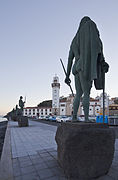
{"points": [[63, 109], [33, 111]]}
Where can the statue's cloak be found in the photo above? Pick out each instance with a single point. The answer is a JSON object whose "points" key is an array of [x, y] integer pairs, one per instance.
{"points": [[90, 46]]}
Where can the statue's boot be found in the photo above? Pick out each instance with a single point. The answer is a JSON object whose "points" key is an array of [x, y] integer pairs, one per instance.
{"points": [[74, 118]]}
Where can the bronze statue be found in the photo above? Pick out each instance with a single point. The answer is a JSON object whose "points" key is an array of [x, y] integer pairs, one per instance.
{"points": [[16, 110], [21, 103], [89, 65]]}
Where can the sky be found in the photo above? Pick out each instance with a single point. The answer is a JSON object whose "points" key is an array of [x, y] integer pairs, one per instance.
{"points": [[35, 34]]}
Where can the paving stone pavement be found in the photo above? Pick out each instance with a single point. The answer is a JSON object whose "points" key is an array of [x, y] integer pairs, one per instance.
{"points": [[34, 153]]}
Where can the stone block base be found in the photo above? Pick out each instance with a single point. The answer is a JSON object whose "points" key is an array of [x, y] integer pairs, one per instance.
{"points": [[14, 118], [23, 121], [85, 150]]}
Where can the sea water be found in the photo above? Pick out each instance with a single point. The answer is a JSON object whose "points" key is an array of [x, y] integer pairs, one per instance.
{"points": [[3, 119]]}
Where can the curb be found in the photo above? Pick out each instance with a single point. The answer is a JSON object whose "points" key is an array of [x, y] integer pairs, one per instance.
{"points": [[6, 170]]}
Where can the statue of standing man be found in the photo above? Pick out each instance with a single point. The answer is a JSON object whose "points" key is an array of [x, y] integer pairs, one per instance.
{"points": [[21, 103], [86, 48]]}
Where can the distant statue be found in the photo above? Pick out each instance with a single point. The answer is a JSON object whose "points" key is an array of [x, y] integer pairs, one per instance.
{"points": [[89, 64], [16, 106], [16, 110], [13, 112], [21, 103]]}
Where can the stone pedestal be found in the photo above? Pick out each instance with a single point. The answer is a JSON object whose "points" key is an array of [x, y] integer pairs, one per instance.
{"points": [[85, 150], [14, 118], [22, 121]]}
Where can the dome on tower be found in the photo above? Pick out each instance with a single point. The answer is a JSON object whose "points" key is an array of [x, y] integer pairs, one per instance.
{"points": [[55, 79]]}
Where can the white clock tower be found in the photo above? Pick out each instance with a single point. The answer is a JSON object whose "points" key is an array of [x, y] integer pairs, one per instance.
{"points": [[55, 95]]}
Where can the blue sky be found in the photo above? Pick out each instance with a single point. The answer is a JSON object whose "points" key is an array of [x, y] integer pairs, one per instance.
{"points": [[34, 34]]}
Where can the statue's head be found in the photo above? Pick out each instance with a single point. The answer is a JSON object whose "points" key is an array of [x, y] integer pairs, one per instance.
{"points": [[21, 97], [84, 20]]}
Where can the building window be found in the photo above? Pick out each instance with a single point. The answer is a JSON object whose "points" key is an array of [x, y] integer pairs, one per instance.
{"points": [[62, 105], [50, 110]]}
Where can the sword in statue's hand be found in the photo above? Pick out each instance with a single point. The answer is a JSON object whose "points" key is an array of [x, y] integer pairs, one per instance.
{"points": [[66, 75]]}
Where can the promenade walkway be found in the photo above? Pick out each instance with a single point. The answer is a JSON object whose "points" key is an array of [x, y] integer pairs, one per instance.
{"points": [[33, 156]]}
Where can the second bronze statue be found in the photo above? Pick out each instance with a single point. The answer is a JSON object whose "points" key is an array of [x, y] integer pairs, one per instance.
{"points": [[87, 51]]}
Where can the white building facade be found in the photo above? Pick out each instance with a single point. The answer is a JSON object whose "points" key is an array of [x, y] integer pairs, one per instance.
{"points": [[63, 106], [37, 111], [94, 108], [106, 100]]}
